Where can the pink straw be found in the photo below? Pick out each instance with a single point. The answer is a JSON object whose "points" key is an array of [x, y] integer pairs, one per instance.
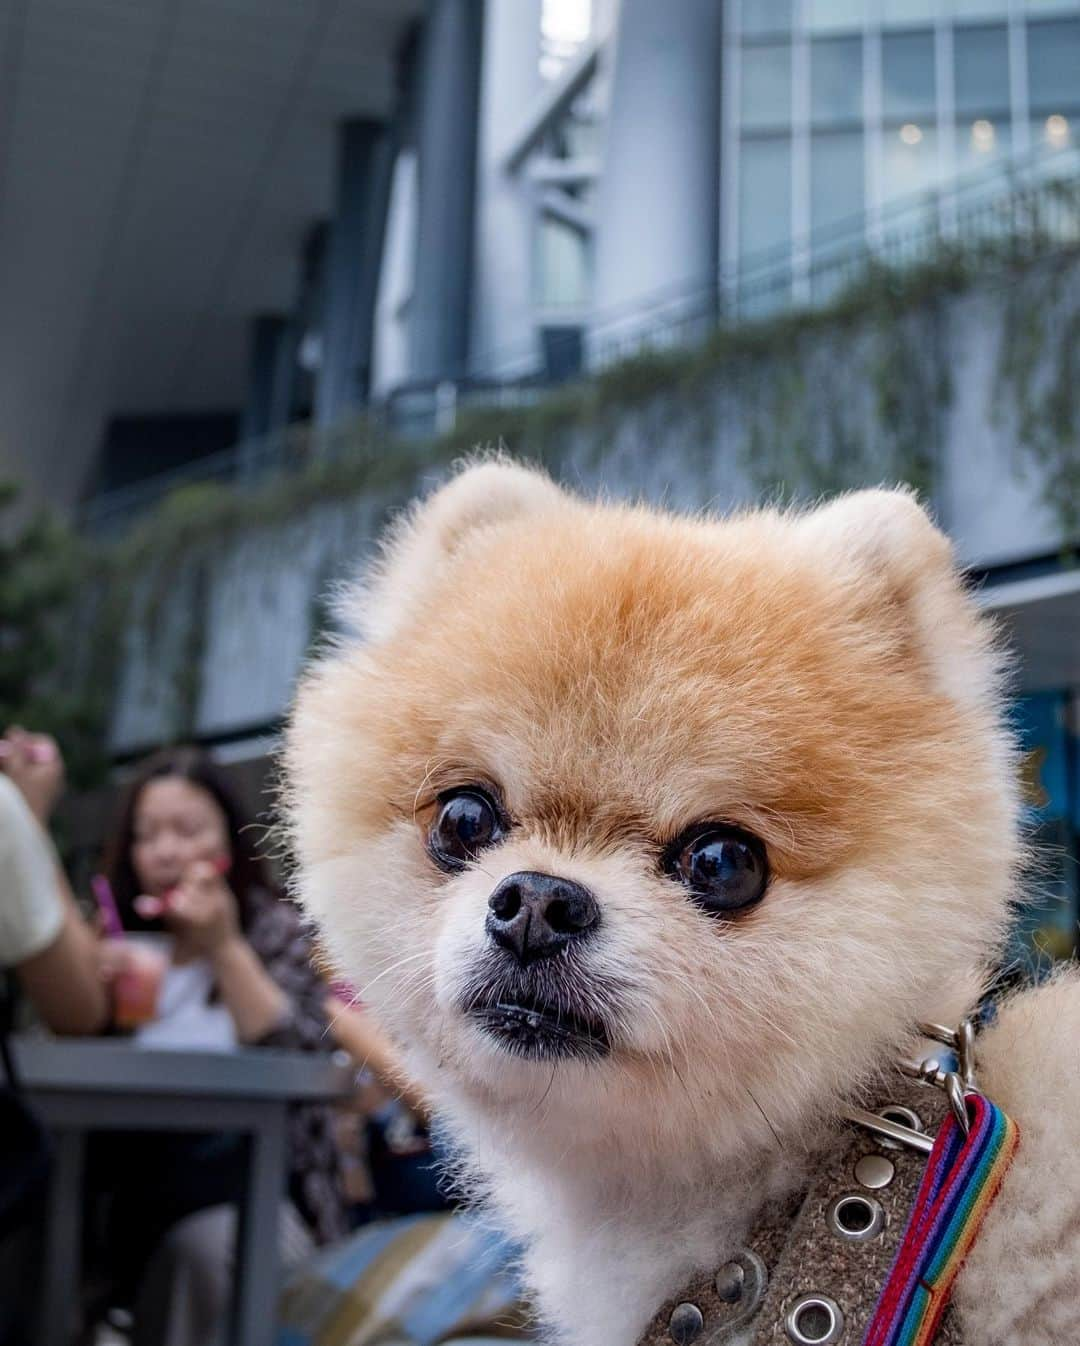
{"points": [[110, 915]]}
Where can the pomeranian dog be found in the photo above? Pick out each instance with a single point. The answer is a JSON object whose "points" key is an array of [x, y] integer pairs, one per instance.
{"points": [[650, 839]]}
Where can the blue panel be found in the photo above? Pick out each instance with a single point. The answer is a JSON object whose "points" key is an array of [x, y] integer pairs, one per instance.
{"points": [[1040, 722], [1046, 924]]}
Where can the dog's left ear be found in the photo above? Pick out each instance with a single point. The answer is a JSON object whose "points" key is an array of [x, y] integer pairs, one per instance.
{"points": [[486, 494], [904, 565], [885, 533]]}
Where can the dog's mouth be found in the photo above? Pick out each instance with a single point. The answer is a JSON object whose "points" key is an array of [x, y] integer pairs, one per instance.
{"points": [[540, 1031]]}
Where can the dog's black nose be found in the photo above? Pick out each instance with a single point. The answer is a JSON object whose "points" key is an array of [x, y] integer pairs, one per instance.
{"points": [[535, 915]]}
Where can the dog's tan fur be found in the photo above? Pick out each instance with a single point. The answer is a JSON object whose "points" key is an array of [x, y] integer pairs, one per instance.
{"points": [[618, 674]]}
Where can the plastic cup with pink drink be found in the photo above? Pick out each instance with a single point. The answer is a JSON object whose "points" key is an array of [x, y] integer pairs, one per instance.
{"points": [[140, 960], [140, 972]]}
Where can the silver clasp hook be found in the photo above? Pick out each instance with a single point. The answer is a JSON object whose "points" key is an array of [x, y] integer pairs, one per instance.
{"points": [[957, 1084]]}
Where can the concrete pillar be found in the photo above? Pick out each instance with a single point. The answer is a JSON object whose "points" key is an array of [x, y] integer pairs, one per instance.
{"points": [[446, 117], [658, 208], [504, 335], [355, 252], [284, 387]]}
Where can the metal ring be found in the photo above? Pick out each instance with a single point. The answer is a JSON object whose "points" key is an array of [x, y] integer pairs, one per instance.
{"points": [[814, 1320], [870, 1221], [896, 1112], [908, 1117]]}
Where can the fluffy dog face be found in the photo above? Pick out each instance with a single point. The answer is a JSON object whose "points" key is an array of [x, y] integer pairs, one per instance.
{"points": [[686, 820]]}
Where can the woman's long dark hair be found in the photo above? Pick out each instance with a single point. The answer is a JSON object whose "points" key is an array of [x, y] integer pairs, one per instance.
{"points": [[248, 875]]}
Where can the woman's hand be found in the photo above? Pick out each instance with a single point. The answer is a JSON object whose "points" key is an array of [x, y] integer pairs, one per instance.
{"points": [[113, 958], [201, 911], [34, 763]]}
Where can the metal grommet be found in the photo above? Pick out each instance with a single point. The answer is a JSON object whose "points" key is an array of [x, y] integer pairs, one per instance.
{"points": [[814, 1320], [896, 1112], [856, 1217], [874, 1171], [685, 1324]]}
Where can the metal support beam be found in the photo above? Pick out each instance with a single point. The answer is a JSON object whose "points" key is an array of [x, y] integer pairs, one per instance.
{"points": [[447, 113], [365, 161], [267, 333]]}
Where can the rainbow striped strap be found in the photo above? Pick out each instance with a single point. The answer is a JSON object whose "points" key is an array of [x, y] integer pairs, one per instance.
{"points": [[962, 1178]]}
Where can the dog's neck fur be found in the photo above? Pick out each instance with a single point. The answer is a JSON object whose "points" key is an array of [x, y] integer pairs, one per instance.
{"points": [[609, 1238], [616, 1219]]}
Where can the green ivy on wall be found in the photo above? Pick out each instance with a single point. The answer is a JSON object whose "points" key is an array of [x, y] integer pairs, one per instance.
{"points": [[1039, 383], [41, 568]]}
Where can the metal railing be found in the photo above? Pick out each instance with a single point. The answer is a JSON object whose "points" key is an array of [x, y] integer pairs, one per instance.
{"points": [[1019, 211]]}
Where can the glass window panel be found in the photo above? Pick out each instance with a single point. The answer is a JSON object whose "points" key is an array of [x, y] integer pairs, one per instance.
{"points": [[836, 178], [564, 265], [981, 141], [907, 73], [826, 15], [1054, 65], [575, 135], [1057, 131], [564, 26], [1050, 6], [980, 9], [982, 70], [764, 194], [905, 12], [909, 166], [766, 16], [836, 73], [762, 296], [766, 85]]}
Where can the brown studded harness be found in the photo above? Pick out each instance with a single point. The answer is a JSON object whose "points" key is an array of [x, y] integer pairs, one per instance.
{"points": [[812, 1268]]}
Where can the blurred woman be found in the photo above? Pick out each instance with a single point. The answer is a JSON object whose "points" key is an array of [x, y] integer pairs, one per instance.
{"points": [[182, 861]]}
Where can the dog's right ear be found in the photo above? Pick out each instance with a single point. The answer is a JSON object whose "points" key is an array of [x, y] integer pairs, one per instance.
{"points": [[483, 495]]}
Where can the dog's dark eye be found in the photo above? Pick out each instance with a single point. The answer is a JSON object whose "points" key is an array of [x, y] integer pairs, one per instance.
{"points": [[466, 823], [725, 868]]}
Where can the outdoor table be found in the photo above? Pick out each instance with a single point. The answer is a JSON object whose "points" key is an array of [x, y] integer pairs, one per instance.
{"points": [[81, 1086]]}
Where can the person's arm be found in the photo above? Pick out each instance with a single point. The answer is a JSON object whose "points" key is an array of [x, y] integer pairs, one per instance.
{"points": [[34, 764], [257, 1004], [202, 912], [63, 981], [357, 1032], [43, 936]]}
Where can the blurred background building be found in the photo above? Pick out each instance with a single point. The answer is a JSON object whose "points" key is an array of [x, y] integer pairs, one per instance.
{"points": [[241, 240]]}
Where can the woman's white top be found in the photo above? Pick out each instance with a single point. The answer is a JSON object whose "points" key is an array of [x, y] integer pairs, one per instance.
{"points": [[187, 1017]]}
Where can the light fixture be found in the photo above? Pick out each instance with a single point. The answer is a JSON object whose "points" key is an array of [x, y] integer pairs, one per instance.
{"points": [[910, 134], [983, 136], [1057, 130]]}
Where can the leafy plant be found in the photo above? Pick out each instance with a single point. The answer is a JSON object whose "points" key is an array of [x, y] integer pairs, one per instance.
{"points": [[41, 565]]}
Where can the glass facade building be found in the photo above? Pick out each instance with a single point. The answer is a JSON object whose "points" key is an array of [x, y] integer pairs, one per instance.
{"points": [[840, 121], [840, 113]]}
